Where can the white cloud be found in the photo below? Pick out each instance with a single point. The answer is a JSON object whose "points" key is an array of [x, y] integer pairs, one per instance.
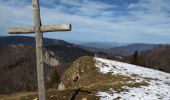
{"points": [[95, 18], [151, 16]]}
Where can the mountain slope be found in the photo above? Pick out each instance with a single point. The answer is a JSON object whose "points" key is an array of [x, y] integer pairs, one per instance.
{"points": [[112, 80], [158, 82]]}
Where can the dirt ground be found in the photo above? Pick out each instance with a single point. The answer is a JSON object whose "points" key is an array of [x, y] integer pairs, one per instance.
{"points": [[53, 94]]}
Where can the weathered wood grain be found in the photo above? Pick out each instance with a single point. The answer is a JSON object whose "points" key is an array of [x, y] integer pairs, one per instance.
{"points": [[47, 28], [39, 49]]}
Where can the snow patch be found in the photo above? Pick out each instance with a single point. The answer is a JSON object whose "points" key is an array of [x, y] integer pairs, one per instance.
{"points": [[158, 88]]}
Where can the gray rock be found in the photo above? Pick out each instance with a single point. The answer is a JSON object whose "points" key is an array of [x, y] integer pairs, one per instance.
{"points": [[61, 86]]}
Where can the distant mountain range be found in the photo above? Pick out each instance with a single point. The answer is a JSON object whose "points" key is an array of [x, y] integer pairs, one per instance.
{"points": [[14, 40], [122, 50], [103, 45], [115, 47], [130, 49]]}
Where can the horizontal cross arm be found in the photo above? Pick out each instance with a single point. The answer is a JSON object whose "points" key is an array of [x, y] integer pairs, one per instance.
{"points": [[47, 28]]}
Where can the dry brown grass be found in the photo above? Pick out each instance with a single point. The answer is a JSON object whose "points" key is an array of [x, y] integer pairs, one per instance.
{"points": [[91, 79], [16, 96], [88, 83]]}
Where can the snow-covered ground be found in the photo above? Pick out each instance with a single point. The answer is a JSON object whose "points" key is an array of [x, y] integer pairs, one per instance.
{"points": [[158, 88]]}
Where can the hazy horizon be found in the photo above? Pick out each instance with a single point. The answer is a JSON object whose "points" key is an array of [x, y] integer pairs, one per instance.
{"points": [[85, 42]]}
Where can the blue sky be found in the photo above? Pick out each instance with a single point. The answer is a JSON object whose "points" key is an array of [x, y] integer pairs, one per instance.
{"points": [[125, 21]]}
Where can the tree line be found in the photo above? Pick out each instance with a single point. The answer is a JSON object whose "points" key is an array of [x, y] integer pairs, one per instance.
{"points": [[157, 58]]}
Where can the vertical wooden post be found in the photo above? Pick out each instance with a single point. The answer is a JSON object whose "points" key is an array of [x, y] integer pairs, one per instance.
{"points": [[38, 29], [39, 49]]}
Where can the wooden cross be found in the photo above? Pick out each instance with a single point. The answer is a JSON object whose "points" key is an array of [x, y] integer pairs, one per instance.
{"points": [[38, 29]]}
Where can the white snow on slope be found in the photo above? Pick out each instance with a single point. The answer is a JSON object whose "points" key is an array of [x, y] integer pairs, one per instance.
{"points": [[158, 88]]}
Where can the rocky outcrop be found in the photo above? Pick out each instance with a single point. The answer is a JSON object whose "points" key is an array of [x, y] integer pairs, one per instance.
{"points": [[84, 74], [50, 58], [78, 73]]}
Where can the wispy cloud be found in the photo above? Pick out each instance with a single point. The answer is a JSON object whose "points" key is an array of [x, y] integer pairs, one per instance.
{"points": [[95, 20]]}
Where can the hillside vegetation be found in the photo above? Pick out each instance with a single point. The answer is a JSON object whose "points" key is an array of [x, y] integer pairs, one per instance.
{"points": [[18, 66], [157, 58]]}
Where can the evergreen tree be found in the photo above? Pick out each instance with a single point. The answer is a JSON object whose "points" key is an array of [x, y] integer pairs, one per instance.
{"points": [[54, 78], [135, 58]]}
